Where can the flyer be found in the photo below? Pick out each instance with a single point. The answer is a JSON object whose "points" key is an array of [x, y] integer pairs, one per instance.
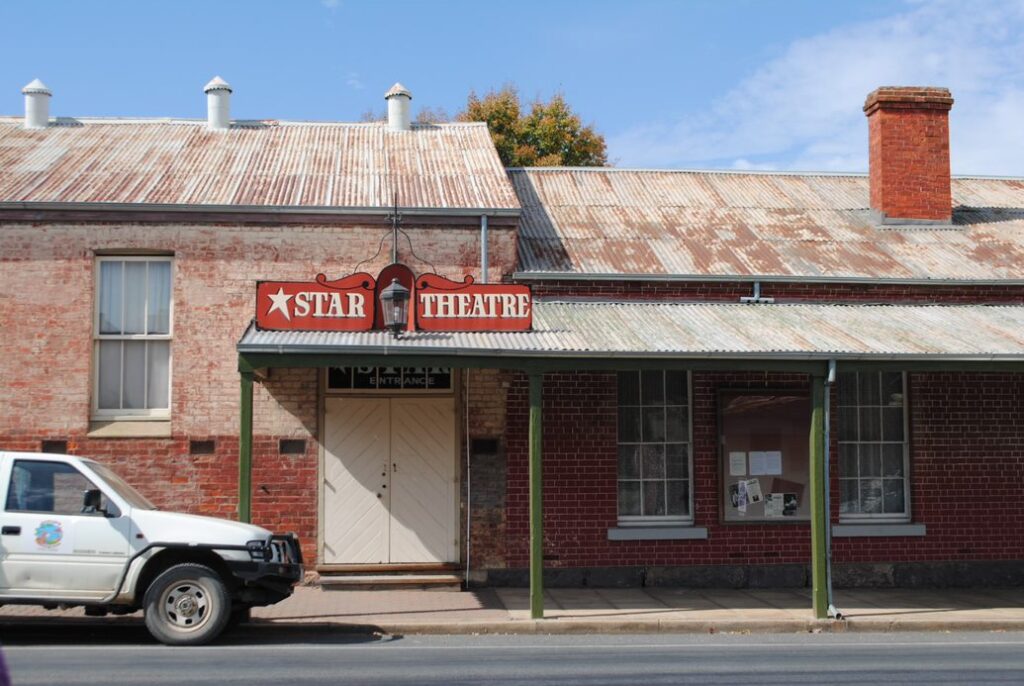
{"points": [[753, 491], [773, 505], [737, 464]]}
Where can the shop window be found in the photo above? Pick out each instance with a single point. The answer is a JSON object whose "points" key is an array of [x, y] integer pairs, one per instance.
{"points": [[765, 446], [873, 448], [654, 447], [132, 338]]}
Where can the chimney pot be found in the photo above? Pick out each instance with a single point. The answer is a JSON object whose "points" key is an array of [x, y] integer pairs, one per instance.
{"points": [[398, 97], [908, 146], [37, 105], [218, 104]]}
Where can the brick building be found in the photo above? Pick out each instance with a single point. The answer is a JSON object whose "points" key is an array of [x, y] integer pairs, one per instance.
{"points": [[733, 379]]}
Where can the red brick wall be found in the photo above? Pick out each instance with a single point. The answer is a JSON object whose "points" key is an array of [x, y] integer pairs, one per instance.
{"points": [[967, 460]]}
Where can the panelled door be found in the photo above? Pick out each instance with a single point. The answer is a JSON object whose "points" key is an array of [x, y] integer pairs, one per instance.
{"points": [[389, 480]]}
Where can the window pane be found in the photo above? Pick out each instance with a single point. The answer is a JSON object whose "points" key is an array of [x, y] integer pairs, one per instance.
{"points": [[676, 461], [892, 460], [678, 498], [629, 425], [848, 424], [871, 496], [893, 495], [849, 502], [676, 424], [654, 498], [848, 460], [676, 388], [652, 387], [892, 423], [870, 460], [110, 297], [870, 424], [109, 375], [629, 388], [847, 387], [629, 462], [134, 375], [629, 498], [135, 297], [869, 392], [654, 424], [892, 389], [158, 365], [653, 462], [46, 487], [159, 309]]}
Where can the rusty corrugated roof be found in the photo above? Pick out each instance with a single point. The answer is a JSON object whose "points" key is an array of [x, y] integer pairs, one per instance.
{"points": [[263, 164], [728, 224], [587, 328]]}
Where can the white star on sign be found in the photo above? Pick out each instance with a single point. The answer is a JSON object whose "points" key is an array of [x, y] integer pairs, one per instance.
{"points": [[280, 303]]}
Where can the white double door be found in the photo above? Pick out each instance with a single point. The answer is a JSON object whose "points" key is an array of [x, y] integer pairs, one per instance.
{"points": [[389, 486]]}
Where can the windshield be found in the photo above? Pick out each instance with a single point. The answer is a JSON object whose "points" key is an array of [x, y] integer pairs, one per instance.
{"points": [[121, 487]]}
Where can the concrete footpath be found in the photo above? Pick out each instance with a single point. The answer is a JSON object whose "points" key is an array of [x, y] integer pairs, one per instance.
{"points": [[592, 610]]}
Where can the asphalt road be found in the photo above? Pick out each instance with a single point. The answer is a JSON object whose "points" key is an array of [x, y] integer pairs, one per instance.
{"points": [[124, 655]]}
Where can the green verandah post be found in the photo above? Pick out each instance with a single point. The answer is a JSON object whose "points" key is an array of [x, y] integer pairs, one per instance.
{"points": [[245, 450], [819, 588], [536, 504]]}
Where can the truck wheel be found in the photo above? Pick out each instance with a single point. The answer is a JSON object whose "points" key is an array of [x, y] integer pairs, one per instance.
{"points": [[187, 604]]}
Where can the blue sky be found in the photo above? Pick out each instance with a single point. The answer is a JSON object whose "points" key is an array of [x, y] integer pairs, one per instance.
{"points": [[699, 84]]}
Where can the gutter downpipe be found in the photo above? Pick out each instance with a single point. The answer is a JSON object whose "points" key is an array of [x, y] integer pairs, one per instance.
{"points": [[830, 380], [483, 248], [469, 485]]}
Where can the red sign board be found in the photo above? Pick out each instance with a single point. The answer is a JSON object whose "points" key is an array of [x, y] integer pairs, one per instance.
{"points": [[350, 304], [343, 305], [444, 305]]}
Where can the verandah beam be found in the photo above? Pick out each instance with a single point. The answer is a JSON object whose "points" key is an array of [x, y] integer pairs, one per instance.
{"points": [[245, 450], [819, 569], [536, 500]]}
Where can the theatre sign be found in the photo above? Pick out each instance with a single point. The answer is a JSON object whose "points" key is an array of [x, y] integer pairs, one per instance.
{"points": [[352, 303]]}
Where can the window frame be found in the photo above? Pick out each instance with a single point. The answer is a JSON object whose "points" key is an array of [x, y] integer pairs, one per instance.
{"points": [[657, 520], [121, 414], [882, 517]]}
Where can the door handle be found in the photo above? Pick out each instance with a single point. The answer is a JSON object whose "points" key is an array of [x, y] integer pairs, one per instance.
{"points": [[11, 531]]}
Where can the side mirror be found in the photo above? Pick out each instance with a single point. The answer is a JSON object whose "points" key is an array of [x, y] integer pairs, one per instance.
{"points": [[92, 500]]}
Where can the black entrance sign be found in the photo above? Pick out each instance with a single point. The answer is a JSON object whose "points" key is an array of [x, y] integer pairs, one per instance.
{"points": [[389, 378]]}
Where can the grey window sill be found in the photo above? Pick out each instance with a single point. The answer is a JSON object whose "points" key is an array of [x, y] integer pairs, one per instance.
{"points": [[657, 533], [130, 429], [880, 530]]}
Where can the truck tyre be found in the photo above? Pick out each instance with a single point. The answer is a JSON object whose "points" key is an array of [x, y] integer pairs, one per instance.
{"points": [[187, 604]]}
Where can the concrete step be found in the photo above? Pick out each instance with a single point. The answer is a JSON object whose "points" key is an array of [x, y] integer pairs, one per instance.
{"points": [[391, 582]]}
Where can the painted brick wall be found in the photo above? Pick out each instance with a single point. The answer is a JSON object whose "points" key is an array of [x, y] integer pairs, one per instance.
{"points": [[967, 442]]}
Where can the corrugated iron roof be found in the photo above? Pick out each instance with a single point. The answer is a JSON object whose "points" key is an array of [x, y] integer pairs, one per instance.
{"points": [[581, 328], [726, 224], [271, 164]]}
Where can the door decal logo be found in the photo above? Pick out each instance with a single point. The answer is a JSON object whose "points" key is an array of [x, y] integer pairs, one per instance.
{"points": [[49, 534]]}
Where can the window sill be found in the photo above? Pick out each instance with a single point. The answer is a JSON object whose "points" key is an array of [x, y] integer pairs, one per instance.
{"points": [[130, 429], [657, 533], [879, 530]]}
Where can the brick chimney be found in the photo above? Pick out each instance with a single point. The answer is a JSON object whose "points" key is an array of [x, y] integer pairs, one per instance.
{"points": [[908, 130]]}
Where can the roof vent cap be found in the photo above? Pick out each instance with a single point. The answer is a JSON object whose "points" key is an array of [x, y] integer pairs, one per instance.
{"points": [[218, 104], [398, 97], [37, 105]]}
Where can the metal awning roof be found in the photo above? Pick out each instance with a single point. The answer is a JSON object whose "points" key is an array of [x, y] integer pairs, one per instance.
{"points": [[680, 330]]}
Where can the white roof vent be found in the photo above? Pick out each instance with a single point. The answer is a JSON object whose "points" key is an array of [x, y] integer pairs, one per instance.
{"points": [[398, 97], [218, 104], [37, 105]]}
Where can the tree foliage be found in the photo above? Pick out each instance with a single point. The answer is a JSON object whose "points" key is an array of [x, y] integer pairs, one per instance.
{"points": [[549, 135]]}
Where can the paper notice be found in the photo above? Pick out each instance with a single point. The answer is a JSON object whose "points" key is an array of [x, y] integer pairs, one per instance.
{"points": [[737, 464], [773, 462], [773, 505], [757, 462], [742, 497], [753, 488]]}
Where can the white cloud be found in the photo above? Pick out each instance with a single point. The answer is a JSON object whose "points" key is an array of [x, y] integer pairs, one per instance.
{"points": [[330, 4], [353, 81], [802, 110]]}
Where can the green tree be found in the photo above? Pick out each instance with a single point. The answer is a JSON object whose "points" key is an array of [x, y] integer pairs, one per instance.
{"points": [[550, 135]]}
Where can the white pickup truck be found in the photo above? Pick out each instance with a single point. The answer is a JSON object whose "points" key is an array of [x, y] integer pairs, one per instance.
{"points": [[72, 532]]}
